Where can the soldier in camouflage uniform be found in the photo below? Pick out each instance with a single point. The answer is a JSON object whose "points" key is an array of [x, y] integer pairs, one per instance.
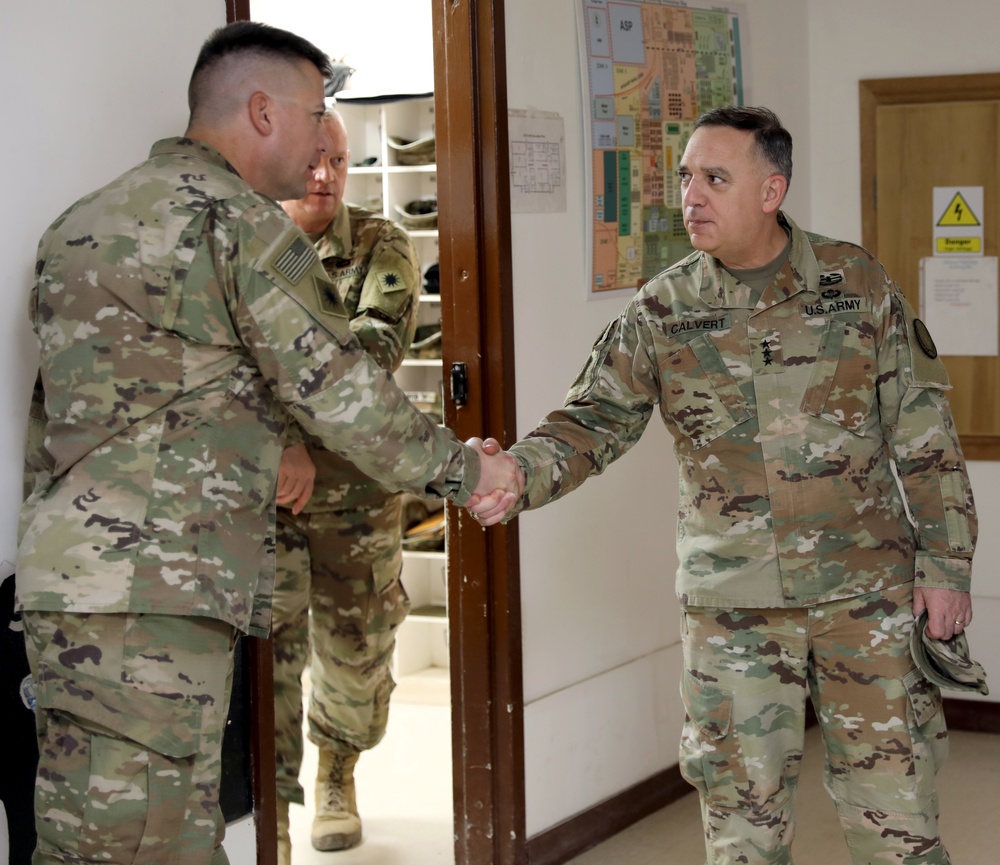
{"points": [[792, 374], [181, 316], [339, 541]]}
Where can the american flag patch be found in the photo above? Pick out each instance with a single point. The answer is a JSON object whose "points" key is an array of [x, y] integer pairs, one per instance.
{"points": [[295, 260]]}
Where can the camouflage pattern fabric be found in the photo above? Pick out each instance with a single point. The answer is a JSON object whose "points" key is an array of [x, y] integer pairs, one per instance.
{"points": [[747, 674], [338, 590], [179, 318], [340, 558], [131, 713], [786, 417], [373, 268], [787, 413]]}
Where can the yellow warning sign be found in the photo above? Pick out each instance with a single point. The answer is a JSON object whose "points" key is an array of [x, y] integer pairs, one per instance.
{"points": [[958, 213], [959, 244]]}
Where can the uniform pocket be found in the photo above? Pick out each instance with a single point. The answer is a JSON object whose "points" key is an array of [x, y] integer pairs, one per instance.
{"points": [[704, 761], [928, 732], [842, 386], [701, 398]]}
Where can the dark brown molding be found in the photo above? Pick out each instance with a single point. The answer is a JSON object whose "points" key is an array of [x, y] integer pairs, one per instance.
{"points": [[584, 831], [578, 834], [262, 755], [972, 716], [237, 10]]}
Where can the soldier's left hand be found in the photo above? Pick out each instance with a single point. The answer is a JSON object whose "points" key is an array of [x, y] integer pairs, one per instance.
{"points": [[296, 476], [948, 612]]}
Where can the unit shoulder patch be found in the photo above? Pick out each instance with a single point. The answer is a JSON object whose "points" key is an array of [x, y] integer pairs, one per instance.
{"points": [[924, 339]]}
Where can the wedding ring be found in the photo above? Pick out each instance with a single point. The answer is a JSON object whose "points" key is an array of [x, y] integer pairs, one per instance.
{"points": [[960, 623]]}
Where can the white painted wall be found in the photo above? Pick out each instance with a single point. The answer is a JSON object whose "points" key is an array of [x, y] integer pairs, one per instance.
{"points": [[390, 43], [600, 644]]}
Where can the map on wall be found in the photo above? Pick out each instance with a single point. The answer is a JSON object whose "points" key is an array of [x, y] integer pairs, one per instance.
{"points": [[650, 68]]}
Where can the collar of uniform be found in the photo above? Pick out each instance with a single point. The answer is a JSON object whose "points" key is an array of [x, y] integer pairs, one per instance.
{"points": [[336, 240], [719, 288], [191, 147]]}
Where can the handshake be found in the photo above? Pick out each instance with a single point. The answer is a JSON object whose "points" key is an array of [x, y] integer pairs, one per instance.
{"points": [[501, 483]]}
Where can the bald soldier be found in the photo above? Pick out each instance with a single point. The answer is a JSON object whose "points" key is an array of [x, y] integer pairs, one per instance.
{"points": [[795, 379], [181, 317], [338, 598]]}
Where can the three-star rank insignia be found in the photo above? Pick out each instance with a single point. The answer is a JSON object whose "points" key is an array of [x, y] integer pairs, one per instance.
{"points": [[765, 348]]}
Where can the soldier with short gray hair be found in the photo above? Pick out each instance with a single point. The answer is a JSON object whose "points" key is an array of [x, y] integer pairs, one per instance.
{"points": [[338, 597], [792, 375], [181, 316]]}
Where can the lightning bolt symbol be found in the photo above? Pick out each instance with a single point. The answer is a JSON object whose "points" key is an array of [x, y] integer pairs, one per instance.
{"points": [[958, 210]]}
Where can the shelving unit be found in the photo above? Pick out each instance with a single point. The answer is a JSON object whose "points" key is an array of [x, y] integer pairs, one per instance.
{"points": [[422, 639]]}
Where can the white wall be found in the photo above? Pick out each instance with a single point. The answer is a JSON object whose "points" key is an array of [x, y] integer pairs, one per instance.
{"points": [[600, 645], [390, 43], [89, 87]]}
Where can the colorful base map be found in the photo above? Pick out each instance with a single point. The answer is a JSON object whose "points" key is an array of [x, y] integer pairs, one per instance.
{"points": [[652, 68]]}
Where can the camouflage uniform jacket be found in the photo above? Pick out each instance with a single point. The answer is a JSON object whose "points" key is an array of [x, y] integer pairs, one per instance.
{"points": [[785, 418], [373, 265], [173, 329]]}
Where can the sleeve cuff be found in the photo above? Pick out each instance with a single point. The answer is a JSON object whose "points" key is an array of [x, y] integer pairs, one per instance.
{"points": [[942, 572]]}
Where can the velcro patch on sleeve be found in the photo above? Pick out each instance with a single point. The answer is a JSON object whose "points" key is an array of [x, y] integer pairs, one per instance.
{"points": [[294, 261], [328, 298], [927, 367]]}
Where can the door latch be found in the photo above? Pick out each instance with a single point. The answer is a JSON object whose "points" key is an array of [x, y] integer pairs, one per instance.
{"points": [[459, 384]]}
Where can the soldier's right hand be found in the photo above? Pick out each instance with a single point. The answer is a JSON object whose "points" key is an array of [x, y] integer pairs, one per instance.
{"points": [[500, 485]]}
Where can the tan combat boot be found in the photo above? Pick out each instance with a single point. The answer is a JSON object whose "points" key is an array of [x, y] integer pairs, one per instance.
{"points": [[337, 825], [284, 840]]}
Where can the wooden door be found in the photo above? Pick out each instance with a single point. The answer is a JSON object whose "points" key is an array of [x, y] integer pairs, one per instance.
{"points": [[477, 331], [916, 134]]}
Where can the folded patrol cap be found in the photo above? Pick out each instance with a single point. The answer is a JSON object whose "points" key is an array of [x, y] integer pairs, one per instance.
{"points": [[946, 663]]}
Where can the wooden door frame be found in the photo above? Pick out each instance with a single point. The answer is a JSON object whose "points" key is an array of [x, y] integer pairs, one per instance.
{"points": [[477, 326], [876, 92], [477, 317]]}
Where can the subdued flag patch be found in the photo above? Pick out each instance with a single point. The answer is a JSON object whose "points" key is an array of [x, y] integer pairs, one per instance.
{"points": [[297, 258]]}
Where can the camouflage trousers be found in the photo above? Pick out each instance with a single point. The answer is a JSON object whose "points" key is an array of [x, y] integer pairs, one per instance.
{"points": [[130, 716], [338, 599], [747, 676]]}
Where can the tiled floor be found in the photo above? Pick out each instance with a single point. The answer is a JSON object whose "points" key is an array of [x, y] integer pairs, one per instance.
{"points": [[403, 785], [404, 794]]}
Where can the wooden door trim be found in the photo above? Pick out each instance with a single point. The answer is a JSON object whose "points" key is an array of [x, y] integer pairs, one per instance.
{"points": [[477, 327], [876, 92]]}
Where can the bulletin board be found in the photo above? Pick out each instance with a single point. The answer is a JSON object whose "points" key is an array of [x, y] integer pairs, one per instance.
{"points": [[649, 69]]}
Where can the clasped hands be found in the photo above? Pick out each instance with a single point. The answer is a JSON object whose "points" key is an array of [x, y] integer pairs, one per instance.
{"points": [[501, 483]]}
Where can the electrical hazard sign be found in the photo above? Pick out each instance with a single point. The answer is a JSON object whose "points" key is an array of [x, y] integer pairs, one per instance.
{"points": [[958, 223], [958, 212]]}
